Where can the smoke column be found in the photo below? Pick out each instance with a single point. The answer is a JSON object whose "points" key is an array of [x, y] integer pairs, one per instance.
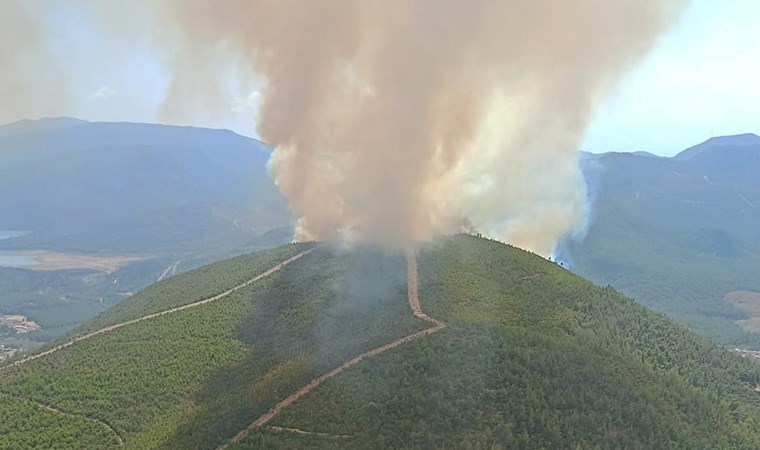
{"points": [[393, 121]]}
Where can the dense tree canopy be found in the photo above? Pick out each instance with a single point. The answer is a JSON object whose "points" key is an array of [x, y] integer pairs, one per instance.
{"points": [[532, 357]]}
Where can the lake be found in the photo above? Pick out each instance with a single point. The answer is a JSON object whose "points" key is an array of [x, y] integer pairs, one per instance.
{"points": [[11, 260]]}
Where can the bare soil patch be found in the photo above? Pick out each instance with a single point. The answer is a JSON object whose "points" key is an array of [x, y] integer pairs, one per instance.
{"points": [[749, 302]]}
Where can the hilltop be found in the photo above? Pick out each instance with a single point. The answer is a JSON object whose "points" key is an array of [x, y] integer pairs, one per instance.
{"points": [[508, 350]]}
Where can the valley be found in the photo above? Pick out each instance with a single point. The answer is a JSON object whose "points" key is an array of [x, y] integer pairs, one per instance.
{"points": [[112, 207]]}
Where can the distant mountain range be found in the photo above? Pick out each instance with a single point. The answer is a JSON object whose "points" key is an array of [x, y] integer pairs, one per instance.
{"points": [[66, 174], [678, 233]]}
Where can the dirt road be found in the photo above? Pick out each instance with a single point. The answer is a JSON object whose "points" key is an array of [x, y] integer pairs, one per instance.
{"points": [[414, 304], [308, 433], [161, 313], [76, 416], [412, 282]]}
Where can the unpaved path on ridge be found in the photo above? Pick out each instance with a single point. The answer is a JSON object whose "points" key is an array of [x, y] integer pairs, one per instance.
{"points": [[413, 287], [414, 304], [63, 413], [162, 313]]}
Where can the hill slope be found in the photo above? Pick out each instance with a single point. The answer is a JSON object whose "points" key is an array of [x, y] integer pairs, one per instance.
{"points": [[530, 356], [678, 234]]}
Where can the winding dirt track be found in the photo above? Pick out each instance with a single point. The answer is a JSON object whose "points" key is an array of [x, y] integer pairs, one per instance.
{"points": [[308, 433], [414, 304], [91, 419], [77, 416], [161, 313]]}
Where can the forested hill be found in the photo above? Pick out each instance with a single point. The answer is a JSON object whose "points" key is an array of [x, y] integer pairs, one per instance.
{"points": [[525, 355], [678, 234]]}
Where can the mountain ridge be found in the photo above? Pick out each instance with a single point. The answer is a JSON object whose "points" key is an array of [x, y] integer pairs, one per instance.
{"points": [[42, 125], [51, 124], [737, 140]]}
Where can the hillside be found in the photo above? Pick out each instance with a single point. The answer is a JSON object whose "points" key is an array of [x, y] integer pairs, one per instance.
{"points": [[678, 234], [508, 350]]}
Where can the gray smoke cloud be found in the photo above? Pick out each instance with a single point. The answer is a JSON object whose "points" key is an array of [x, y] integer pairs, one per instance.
{"points": [[393, 121]]}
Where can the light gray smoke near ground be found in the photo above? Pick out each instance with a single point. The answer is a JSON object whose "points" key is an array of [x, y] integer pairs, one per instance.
{"points": [[394, 121]]}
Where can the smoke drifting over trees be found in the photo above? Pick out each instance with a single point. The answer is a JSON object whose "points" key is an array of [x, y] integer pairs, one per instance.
{"points": [[395, 121]]}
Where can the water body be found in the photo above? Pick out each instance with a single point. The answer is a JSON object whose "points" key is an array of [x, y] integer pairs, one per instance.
{"points": [[7, 234], [15, 260]]}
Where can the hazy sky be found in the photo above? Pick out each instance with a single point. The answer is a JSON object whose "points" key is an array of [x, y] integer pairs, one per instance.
{"points": [[700, 81]]}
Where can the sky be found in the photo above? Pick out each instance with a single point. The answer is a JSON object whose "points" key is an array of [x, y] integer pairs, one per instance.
{"points": [[700, 80]]}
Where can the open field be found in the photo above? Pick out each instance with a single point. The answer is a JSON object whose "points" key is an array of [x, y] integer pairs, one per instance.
{"points": [[46, 260]]}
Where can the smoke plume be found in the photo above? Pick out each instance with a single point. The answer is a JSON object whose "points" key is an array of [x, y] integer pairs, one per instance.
{"points": [[394, 121]]}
